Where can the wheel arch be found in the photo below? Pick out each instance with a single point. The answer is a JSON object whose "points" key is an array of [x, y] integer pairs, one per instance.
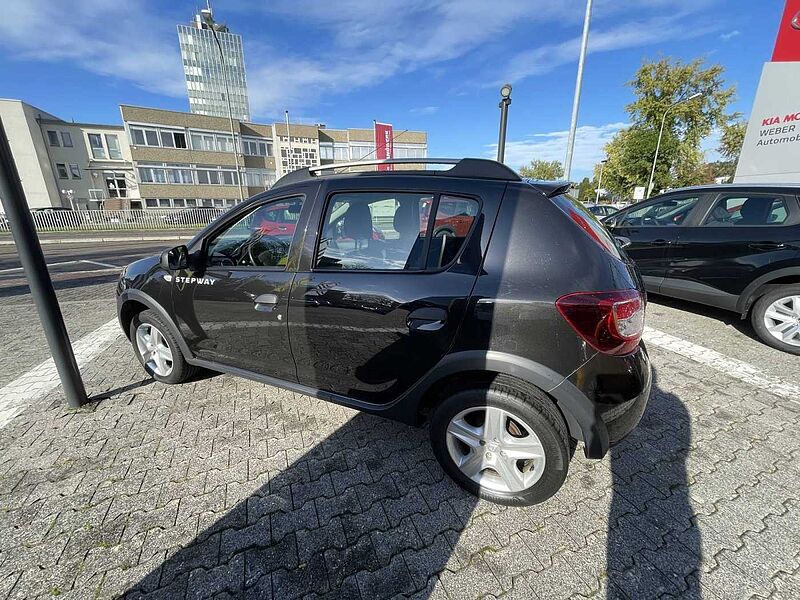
{"points": [[764, 284], [131, 302], [480, 367]]}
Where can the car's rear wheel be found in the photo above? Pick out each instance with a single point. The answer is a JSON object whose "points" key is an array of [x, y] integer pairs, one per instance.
{"points": [[776, 318], [505, 442], [158, 350]]}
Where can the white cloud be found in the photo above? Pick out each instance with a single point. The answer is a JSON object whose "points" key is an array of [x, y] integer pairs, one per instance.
{"points": [[125, 40], [424, 110], [631, 34], [589, 143], [729, 35]]}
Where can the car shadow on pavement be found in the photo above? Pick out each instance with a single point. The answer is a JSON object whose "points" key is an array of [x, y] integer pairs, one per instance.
{"points": [[732, 319], [366, 511], [654, 544]]}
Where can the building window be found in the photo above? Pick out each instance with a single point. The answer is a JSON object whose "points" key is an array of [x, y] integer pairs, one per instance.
{"points": [[112, 141], [179, 203], [66, 139], [173, 139], [74, 170], [116, 184], [180, 174], [152, 174], [361, 151], [256, 147], [62, 171], [326, 150], [340, 152], [151, 203], [52, 137], [96, 144], [203, 141], [144, 137]]}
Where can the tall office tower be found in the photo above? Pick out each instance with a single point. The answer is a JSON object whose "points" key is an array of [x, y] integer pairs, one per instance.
{"points": [[206, 76]]}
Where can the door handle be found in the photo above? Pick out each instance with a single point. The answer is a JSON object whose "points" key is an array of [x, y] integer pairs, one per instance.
{"points": [[266, 302], [767, 246], [426, 319], [660, 243]]}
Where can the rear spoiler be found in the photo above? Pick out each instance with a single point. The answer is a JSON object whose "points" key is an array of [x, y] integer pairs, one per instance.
{"points": [[549, 188]]}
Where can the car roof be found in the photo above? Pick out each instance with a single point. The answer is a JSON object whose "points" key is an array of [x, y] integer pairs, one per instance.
{"points": [[791, 188]]}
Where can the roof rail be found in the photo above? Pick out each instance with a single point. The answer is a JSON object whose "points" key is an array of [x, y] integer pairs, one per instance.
{"points": [[478, 168]]}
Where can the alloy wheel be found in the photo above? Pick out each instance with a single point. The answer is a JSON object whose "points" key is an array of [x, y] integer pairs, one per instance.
{"points": [[782, 320], [495, 448], [154, 349]]}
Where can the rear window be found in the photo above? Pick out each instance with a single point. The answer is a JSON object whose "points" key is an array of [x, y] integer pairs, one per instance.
{"points": [[584, 219]]}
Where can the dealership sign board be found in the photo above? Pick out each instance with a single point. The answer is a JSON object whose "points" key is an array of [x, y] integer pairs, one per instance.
{"points": [[771, 149], [384, 143]]}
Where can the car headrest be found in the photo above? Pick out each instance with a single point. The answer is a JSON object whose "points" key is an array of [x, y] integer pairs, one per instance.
{"points": [[357, 222], [755, 211], [406, 219]]}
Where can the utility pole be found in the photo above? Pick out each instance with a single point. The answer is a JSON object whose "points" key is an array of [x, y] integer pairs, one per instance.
{"points": [[600, 180], [576, 100], [30, 255]]}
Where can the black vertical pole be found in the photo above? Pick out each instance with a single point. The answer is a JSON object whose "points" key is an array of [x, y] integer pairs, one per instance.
{"points": [[501, 143], [32, 259]]}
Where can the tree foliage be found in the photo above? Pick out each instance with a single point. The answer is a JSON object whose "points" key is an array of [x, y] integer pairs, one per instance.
{"points": [[543, 169], [586, 191], [662, 89]]}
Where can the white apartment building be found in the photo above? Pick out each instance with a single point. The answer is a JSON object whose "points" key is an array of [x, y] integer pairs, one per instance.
{"points": [[74, 165]]}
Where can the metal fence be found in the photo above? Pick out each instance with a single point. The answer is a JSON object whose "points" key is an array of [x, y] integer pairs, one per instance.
{"points": [[119, 220]]}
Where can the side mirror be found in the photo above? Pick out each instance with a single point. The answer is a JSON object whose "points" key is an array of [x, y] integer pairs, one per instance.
{"points": [[622, 241], [175, 259]]}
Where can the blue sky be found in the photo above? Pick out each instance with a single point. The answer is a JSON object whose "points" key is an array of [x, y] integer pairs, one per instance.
{"points": [[420, 64]]}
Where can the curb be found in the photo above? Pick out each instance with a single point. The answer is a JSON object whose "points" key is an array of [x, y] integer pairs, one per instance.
{"points": [[96, 240]]}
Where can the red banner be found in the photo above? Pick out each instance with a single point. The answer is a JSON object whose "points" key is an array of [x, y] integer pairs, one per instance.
{"points": [[787, 44], [384, 143]]}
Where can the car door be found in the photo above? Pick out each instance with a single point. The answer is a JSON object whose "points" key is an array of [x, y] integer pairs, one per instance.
{"points": [[738, 237], [232, 306], [384, 291], [652, 227]]}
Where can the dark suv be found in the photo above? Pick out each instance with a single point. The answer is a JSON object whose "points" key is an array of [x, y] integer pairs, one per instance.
{"points": [[514, 337], [736, 247]]}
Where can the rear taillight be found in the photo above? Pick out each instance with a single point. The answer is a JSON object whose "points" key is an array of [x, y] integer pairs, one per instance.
{"points": [[611, 322]]}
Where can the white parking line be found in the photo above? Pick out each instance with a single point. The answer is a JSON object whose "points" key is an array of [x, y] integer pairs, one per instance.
{"points": [[24, 390], [101, 264], [731, 367]]}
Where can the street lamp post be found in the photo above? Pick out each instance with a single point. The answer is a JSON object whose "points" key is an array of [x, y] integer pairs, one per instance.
{"points": [[505, 100], [661, 133], [576, 100], [209, 19], [600, 180]]}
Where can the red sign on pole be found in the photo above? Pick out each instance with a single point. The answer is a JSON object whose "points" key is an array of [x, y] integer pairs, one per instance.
{"points": [[384, 143], [787, 44]]}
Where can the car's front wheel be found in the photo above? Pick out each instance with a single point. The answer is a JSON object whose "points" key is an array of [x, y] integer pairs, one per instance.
{"points": [[157, 349], [505, 442], [776, 318]]}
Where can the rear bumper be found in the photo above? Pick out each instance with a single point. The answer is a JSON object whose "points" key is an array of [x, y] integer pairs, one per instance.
{"points": [[618, 388]]}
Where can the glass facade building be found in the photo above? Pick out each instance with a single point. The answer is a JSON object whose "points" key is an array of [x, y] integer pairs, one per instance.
{"points": [[205, 75]]}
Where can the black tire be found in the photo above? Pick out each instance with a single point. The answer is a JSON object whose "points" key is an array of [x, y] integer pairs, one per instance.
{"points": [[181, 370], [760, 309], [530, 405]]}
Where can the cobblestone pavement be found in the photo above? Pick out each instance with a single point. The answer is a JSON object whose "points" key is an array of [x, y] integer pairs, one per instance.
{"points": [[226, 488]]}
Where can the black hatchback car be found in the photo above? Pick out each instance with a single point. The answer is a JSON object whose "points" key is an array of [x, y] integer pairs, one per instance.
{"points": [[513, 334], [733, 246]]}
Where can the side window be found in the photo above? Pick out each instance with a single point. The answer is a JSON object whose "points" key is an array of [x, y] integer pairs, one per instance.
{"points": [[454, 219], [256, 239], [388, 231], [373, 231], [668, 212], [731, 211]]}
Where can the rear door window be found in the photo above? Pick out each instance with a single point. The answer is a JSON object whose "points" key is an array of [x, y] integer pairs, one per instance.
{"points": [[393, 231], [747, 210]]}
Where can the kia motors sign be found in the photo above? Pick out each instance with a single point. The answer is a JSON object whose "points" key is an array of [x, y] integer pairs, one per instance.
{"points": [[384, 143], [771, 148]]}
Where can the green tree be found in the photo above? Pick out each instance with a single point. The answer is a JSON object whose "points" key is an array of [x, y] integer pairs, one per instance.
{"points": [[543, 169], [586, 190], [730, 147], [662, 89]]}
